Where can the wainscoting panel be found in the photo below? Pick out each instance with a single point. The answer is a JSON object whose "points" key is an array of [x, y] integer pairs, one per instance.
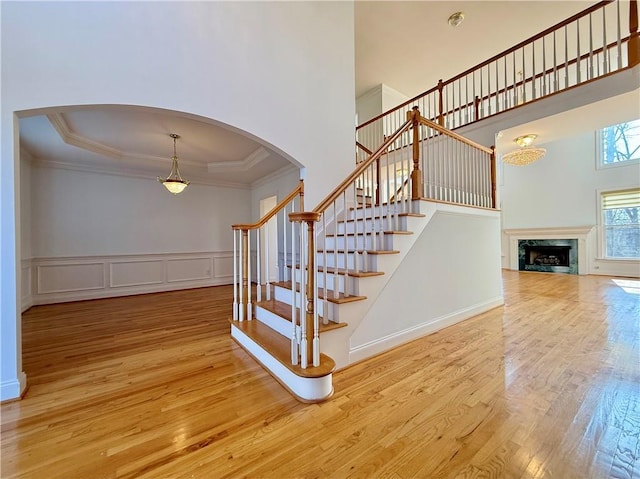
{"points": [[191, 269], [136, 273], [223, 267], [25, 285], [67, 277], [58, 280]]}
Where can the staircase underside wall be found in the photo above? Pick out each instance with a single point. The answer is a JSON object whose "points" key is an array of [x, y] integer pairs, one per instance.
{"points": [[452, 272]]}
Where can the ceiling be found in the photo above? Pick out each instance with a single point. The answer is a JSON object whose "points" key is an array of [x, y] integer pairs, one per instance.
{"points": [[407, 46]]}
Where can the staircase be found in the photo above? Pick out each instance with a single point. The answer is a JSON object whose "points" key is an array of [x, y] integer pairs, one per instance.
{"points": [[338, 293], [267, 337]]}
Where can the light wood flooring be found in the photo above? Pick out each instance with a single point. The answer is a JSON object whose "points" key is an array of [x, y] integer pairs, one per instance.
{"points": [[152, 386]]}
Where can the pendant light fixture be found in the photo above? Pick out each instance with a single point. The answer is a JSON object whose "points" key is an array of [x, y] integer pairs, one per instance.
{"points": [[174, 182]]}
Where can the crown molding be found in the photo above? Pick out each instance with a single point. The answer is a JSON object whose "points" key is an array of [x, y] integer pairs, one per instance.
{"points": [[244, 165], [70, 137], [60, 124], [128, 173]]}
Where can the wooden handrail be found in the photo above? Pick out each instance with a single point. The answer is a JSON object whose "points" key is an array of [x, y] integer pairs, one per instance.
{"points": [[324, 204], [524, 81], [363, 148], [532, 39], [415, 98], [454, 135], [262, 221], [538, 36]]}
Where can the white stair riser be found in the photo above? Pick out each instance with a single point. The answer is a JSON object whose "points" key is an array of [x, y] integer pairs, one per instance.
{"points": [[365, 262], [359, 242], [284, 296], [383, 210], [274, 321], [396, 223], [350, 282]]}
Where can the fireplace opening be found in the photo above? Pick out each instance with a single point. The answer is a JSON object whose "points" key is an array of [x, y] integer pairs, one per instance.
{"points": [[539, 255]]}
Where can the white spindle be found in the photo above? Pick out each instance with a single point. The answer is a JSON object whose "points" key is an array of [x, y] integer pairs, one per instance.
{"points": [[235, 276], [241, 276], [258, 267], [249, 305], [325, 296], [304, 360], [267, 256], [294, 323]]}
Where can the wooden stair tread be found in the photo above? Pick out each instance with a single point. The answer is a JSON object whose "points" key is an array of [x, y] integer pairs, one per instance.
{"points": [[284, 311], [369, 233], [280, 348], [348, 272], [339, 300], [379, 251], [377, 217]]}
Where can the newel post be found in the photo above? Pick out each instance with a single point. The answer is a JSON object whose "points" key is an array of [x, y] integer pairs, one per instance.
{"points": [[634, 35], [416, 174], [493, 177], [309, 342]]}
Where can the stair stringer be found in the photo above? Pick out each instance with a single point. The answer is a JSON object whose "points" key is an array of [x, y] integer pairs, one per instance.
{"points": [[451, 273], [335, 343]]}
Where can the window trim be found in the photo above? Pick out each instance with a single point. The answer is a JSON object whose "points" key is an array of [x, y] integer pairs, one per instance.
{"points": [[600, 165], [602, 240]]}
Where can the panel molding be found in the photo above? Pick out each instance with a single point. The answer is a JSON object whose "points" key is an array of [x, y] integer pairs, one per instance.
{"points": [[57, 280]]}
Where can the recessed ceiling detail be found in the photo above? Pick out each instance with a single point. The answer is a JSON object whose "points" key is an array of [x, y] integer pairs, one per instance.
{"points": [[71, 138], [244, 165], [131, 141]]}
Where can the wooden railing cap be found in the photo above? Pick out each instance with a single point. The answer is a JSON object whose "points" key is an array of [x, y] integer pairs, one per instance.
{"points": [[305, 216]]}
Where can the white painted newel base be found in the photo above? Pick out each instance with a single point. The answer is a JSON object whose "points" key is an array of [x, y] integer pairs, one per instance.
{"points": [[306, 389]]}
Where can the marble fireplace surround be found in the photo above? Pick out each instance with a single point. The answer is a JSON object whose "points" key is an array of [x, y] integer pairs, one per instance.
{"points": [[581, 233]]}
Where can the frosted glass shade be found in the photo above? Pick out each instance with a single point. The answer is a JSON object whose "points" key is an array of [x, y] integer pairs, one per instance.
{"points": [[175, 186]]}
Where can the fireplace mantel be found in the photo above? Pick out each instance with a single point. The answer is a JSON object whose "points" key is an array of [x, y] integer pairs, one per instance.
{"points": [[581, 233]]}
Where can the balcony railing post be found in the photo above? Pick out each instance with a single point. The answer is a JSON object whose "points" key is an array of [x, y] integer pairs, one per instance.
{"points": [[440, 103], [416, 174], [493, 177], [634, 35], [476, 108]]}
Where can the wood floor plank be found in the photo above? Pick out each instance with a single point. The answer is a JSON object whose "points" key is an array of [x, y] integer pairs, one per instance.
{"points": [[153, 387]]}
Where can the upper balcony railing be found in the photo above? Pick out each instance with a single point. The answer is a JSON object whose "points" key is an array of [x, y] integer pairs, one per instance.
{"points": [[596, 42]]}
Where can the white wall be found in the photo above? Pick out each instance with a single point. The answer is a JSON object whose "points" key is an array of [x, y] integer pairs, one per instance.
{"points": [[561, 190], [99, 235], [78, 213], [280, 187], [451, 273], [281, 71]]}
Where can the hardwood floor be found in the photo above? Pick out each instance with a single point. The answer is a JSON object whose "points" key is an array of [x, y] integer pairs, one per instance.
{"points": [[152, 386]]}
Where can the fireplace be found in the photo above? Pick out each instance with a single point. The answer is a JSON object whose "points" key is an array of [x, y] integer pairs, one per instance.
{"points": [[548, 255], [579, 238]]}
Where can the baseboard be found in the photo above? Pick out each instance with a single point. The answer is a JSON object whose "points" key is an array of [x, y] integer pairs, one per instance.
{"points": [[394, 340], [13, 389]]}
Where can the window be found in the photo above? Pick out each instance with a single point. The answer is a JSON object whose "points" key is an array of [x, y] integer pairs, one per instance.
{"points": [[621, 223], [620, 143]]}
